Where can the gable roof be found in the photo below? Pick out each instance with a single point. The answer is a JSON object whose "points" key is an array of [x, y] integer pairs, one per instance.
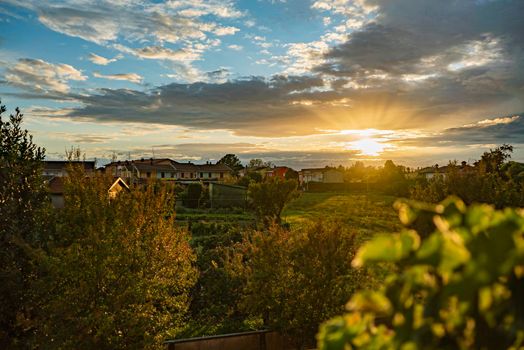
{"points": [[319, 169]]}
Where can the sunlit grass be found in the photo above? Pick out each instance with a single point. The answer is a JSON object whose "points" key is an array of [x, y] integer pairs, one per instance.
{"points": [[366, 213]]}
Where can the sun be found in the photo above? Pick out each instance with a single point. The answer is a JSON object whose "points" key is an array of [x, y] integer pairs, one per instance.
{"points": [[367, 147]]}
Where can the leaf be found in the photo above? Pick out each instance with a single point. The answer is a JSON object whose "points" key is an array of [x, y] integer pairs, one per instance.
{"points": [[370, 301], [387, 248]]}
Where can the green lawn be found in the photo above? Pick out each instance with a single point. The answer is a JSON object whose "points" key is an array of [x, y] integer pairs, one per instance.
{"points": [[367, 213]]}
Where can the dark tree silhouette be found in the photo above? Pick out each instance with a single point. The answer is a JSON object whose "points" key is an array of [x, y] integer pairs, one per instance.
{"points": [[23, 208]]}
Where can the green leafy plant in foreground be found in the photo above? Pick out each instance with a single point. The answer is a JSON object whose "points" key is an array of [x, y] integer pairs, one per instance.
{"points": [[462, 287]]}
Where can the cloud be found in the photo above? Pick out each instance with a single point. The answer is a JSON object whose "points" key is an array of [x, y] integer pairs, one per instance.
{"points": [[252, 106], [173, 21], [96, 59], [358, 12], [132, 77], [79, 138], [493, 131], [36, 75], [235, 47], [162, 53], [221, 31]]}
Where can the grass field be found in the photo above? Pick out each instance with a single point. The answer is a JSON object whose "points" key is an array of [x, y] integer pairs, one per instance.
{"points": [[366, 213]]}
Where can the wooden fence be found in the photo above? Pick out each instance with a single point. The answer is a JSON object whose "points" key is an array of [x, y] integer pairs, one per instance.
{"points": [[257, 340]]}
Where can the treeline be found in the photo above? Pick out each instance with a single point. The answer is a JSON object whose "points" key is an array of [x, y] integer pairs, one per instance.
{"points": [[492, 179]]}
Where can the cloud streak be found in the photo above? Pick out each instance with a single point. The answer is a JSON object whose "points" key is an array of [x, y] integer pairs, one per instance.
{"points": [[132, 77], [100, 60], [39, 76]]}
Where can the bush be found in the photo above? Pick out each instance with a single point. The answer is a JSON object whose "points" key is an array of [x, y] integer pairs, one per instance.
{"points": [[214, 305], [297, 279], [459, 288]]}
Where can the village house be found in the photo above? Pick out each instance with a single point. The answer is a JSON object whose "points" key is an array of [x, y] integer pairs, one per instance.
{"points": [[323, 175], [56, 189], [432, 171], [278, 171], [59, 167], [168, 169]]}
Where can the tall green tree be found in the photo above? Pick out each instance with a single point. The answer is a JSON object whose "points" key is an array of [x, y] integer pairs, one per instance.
{"points": [[493, 161], [23, 211], [270, 197], [119, 274], [231, 161]]}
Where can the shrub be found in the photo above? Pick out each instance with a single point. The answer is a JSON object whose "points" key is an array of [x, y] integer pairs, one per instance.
{"points": [[297, 279], [118, 275]]}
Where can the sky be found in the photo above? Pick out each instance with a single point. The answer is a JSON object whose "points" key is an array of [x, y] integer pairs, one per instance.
{"points": [[297, 82]]}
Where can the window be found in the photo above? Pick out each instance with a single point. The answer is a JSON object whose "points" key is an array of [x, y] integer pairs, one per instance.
{"points": [[183, 175], [209, 175], [201, 175], [221, 175], [148, 174], [191, 175], [163, 175]]}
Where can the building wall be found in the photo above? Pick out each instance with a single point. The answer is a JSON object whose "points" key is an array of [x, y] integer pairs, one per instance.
{"points": [[333, 176]]}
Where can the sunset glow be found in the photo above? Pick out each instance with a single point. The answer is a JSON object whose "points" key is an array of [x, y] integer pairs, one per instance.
{"points": [[299, 82], [367, 147]]}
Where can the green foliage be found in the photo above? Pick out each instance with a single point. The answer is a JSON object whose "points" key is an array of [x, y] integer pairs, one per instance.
{"points": [[251, 176], [459, 288], [291, 175], [492, 180], [193, 195], [392, 180], [24, 212], [297, 279], [214, 305], [258, 163], [493, 161], [118, 275], [269, 198], [231, 161]]}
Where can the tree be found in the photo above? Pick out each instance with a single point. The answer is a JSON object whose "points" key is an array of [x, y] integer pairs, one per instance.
{"points": [[119, 273], [231, 161], [296, 279], [492, 161], [459, 288], [257, 163], [251, 176], [493, 180], [23, 222], [291, 175], [392, 179], [215, 307], [269, 198]]}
